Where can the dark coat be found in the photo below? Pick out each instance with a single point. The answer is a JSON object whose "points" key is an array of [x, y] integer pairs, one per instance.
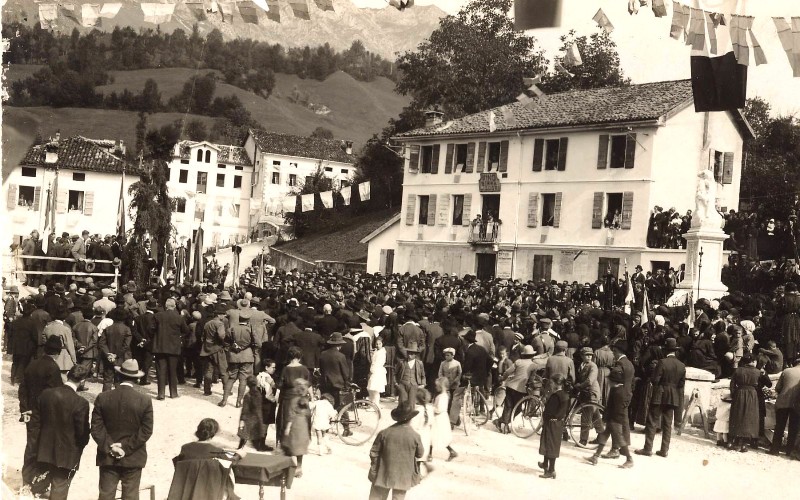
{"points": [[311, 343], [335, 369], [668, 381], [171, 327], [86, 340], [64, 427], [116, 339], [478, 363], [628, 372], [744, 408], [326, 325], [393, 457], [24, 338], [555, 411], [41, 374], [419, 371], [123, 416], [452, 341], [145, 330]]}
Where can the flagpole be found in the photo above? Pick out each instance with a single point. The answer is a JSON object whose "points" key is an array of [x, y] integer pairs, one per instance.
{"points": [[699, 269]]}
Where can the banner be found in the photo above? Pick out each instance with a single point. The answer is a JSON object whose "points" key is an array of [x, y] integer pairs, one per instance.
{"points": [[300, 9], [307, 202], [289, 204], [48, 12], [346, 192], [90, 13], [324, 4], [158, 13], [327, 199], [248, 12], [121, 208], [110, 10], [274, 12], [197, 254], [261, 4], [363, 190]]}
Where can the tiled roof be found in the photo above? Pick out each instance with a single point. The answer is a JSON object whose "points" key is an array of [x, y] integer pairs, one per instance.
{"points": [[304, 147], [235, 155], [80, 153], [647, 101]]}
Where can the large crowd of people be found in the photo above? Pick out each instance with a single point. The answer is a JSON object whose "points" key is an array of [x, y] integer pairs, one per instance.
{"points": [[304, 337]]}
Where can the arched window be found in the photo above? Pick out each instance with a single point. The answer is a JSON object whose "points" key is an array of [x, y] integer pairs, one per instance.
{"points": [[208, 156], [199, 155]]}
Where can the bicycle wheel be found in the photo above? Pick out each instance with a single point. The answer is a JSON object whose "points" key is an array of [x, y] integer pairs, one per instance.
{"points": [[357, 422], [466, 410], [480, 409], [526, 417], [593, 423]]}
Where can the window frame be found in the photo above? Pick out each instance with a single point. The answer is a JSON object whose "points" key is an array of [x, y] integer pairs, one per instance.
{"points": [[617, 138], [548, 199], [426, 159], [220, 177], [183, 176], [81, 198], [490, 146], [457, 219], [551, 153], [237, 181], [607, 209], [456, 156], [204, 176], [180, 202], [276, 178], [25, 171], [291, 181], [422, 216], [32, 196]]}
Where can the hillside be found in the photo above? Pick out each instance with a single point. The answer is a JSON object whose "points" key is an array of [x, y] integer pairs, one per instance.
{"points": [[383, 31]]}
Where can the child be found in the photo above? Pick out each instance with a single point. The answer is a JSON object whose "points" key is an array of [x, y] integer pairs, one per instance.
{"points": [[722, 424], [555, 411], [297, 432], [423, 423], [268, 389], [322, 412], [442, 433], [251, 419]]}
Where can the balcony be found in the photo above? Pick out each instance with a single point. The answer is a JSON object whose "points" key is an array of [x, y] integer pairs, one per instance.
{"points": [[484, 233]]}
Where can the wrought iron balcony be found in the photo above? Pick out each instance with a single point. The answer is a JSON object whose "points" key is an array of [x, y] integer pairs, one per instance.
{"points": [[484, 233]]}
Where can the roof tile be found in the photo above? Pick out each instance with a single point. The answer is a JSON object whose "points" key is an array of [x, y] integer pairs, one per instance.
{"points": [[80, 153], [304, 147]]}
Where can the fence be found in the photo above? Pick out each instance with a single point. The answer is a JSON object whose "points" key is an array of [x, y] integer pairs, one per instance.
{"points": [[15, 273]]}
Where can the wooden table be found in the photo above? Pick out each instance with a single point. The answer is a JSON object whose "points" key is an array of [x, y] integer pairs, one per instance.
{"points": [[263, 469]]}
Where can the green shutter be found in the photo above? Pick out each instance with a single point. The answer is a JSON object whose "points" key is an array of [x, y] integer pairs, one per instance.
{"points": [[435, 160], [533, 210], [630, 150], [503, 156], [448, 159], [432, 210], [557, 210], [88, 203], [602, 151], [562, 153], [443, 209], [411, 204], [11, 201], [538, 154], [466, 217]]}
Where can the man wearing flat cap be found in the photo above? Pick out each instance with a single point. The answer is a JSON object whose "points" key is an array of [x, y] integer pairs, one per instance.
{"points": [[560, 363]]}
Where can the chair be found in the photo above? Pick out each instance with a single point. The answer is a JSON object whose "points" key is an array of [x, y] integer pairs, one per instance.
{"points": [[142, 487]]}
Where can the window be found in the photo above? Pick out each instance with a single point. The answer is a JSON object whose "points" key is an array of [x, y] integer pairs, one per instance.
{"points": [[238, 167], [237, 181], [26, 196], [185, 162], [292, 179], [276, 163], [180, 205], [202, 180], [208, 156], [28, 172], [548, 209], [220, 180], [542, 267], [551, 154], [183, 176], [423, 210], [293, 165], [458, 209], [329, 169], [427, 159], [345, 171], [235, 210], [276, 177], [199, 155], [75, 200], [461, 158], [493, 158], [718, 163], [220, 165], [618, 144], [613, 217]]}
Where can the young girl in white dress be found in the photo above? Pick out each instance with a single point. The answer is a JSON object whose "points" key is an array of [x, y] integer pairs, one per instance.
{"points": [[377, 372], [442, 434]]}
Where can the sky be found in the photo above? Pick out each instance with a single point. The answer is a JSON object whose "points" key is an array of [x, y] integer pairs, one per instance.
{"points": [[648, 54]]}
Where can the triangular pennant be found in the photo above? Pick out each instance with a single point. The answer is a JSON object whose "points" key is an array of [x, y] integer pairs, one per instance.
{"points": [[680, 18], [492, 124], [158, 13], [602, 20], [261, 4], [719, 83], [573, 56], [561, 69], [300, 9], [324, 5], [248, 12], [534, 14], [274, 12], [363, 190], [659, 9], [327, 199]]}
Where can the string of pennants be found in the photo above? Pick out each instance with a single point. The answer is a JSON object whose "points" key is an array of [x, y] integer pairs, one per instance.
{"points": [[89, 14], [307, 202]]}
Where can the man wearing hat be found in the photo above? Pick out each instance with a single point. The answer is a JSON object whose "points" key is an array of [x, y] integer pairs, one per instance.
{"points": [[122, 422], [327, 324], [516, 383], [560, 363], [144, 331], [86, 339], [58, 328], [589, 392], [477, 362], [171, 328], [669, 378], [393, 457], [409, 375], [239, 356], [616, 419], [22, 341], [114, 345], [211, 350], [788, 387], [543, 341], [334, 369]]}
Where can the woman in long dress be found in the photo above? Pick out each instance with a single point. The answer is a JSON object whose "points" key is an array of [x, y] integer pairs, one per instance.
{"points": [[269, 389], [297, 432], [744, 408], [442, 432], [291, 372], [377, 372]]}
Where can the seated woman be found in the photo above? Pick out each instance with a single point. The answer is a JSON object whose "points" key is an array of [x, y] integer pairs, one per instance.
{"points": [[199, 475], [202, 448]]}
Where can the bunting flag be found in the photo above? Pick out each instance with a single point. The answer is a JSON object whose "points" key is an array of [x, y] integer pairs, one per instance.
{"points": [[110, 10], [680, 18], [659, 9], [121, 207], [739, 29], [508, 118], [307, 202], [347, 193], [197, 254], [260, 278], [696, 32], [645, 307], [532, 81], [633, 7], [90, 14], [492, 124], [790, 41], [288, 204], [68, 10], [690, 302], [719, 83], [300, 9], [274, 12], [629, 297], [198, 9], [48, 12], [401, 5], [261, 4], [602, 20], [226, 9], [561, 69], [523, 98], [363, 190], [712, 21], [327, 199], [534, 14], [50, 213], [573, 56], [158, 13], [326, 4], [211, 7], [248, 12]]}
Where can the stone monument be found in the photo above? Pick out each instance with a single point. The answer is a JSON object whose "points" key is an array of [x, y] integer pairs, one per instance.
{"points": [[702, 275]]}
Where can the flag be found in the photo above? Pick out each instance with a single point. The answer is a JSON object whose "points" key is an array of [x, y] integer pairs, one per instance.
{"points": [[363, 191], [300, 9], [260, 278], [532, 81], [49, 216], [121, 208], [90, 13], [533, 14], [523, 98], [327, 199], [790, 41], [401, 5], [561, 69], [509, 119], [261, 4], [347, 193], [629, 298], [680, 17], [602, 20], [274, 12], [719, 83], [324, 4], [48, 12], [696, 33], [659, 9], [690, 301], [645, 307], [289, 204], [573, 56], [248, 12], [157, 13], [633, 7], [197, 254], [307, 202], [236, 250], [492, 124]]}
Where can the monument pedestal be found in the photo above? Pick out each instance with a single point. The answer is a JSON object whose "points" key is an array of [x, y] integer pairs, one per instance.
{"points": [[705, 282]]}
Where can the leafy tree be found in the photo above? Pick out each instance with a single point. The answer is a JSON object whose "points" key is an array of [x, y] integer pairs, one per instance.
{"points": [[141, 133], [149, 100], [322, 133], [160, 142], [196, 130], [600, 67], [384, 169]]}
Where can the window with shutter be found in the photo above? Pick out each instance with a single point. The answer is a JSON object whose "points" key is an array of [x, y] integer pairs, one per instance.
{"points": [[493, 157], [503, 156], [597, 210], [470, 157], [538, 154], [411, 204], [443, 208], [481, 156], [382, 262], [432, 210], [435, 160], [425, 159], [37, 196], [727, 168], [460, 158], [533, 210], [458, 209], [602, 152], [88, 203], [423, 210], [551, 154], [61, 201], [630, 150], [627, 209], [562, 154], [448, 159], [557, 210], [11, 201], [548, 209], [715, 164], [467, 212], [413, 163]]}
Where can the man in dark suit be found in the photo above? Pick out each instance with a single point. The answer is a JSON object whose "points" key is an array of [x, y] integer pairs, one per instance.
{"points": [[310, 342], [23, 342], [393, 457], [64, 431], [41, 374], [626, 371], [477, 361], [114, 345], [144, 330], [409, 375], [334, 368], [328, 323], [668, 381], [171, 327], [122, 422]]}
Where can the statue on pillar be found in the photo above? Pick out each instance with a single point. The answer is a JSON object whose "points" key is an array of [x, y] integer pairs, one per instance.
{"points": [[706, 214]]}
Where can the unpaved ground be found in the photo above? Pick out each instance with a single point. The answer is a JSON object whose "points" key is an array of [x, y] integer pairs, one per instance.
{"points": [[490, 465]]}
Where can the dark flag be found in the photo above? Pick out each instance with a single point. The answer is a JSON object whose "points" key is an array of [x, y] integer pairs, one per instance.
{"points": [[533, 14], [719, 82], [197, 254]]}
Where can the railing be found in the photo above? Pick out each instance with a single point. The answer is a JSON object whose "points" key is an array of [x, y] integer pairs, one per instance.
{"points": [[484, 233], [14, 268]]}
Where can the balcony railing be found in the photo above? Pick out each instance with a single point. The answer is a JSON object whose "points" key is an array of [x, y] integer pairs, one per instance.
{"points": [[484, 233]]}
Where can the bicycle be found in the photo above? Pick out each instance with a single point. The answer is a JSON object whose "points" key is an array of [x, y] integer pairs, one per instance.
{"points": [[474, 408], [526, 416], [356, 421]]}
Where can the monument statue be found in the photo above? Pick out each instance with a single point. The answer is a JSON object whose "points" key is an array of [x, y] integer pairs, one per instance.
{"points": [[705, 214]]}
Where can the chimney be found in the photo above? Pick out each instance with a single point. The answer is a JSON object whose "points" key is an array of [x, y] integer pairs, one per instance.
{"points": [[51, 150], [121, 147], [348, 147], [433, 117]]}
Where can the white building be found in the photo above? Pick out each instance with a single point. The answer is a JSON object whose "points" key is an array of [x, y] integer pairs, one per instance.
{"points": [[89, 176], [282, 163], [551, 174], [212, 185]]}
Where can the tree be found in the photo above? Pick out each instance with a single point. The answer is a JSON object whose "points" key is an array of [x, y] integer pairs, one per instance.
{"points": [[322, 133], [473, 61], [384, 170], [196, 130], [149, 100], [321, 218], [600, 67], [141, 132]]}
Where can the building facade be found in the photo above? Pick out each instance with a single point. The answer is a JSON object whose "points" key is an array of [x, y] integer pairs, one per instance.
{"points": [[560, 188], [212, 185], [89, 175]]}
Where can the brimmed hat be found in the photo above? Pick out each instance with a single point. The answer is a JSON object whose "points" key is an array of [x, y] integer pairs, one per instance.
{"points": [[546, 321], [527, 352], [220, 309], [671, 344], [616, 376], [470, 336], [412, 347], [620, 345], [387, 310], [245, 315], [587, 350], [152, 305], [225, 295], [130, 369], [450, 350], [336, 339], [402, 414]]}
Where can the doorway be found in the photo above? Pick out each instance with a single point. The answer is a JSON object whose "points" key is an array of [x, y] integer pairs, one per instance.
{"points": [[486, 264], [542, 267], [491, 206]]}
